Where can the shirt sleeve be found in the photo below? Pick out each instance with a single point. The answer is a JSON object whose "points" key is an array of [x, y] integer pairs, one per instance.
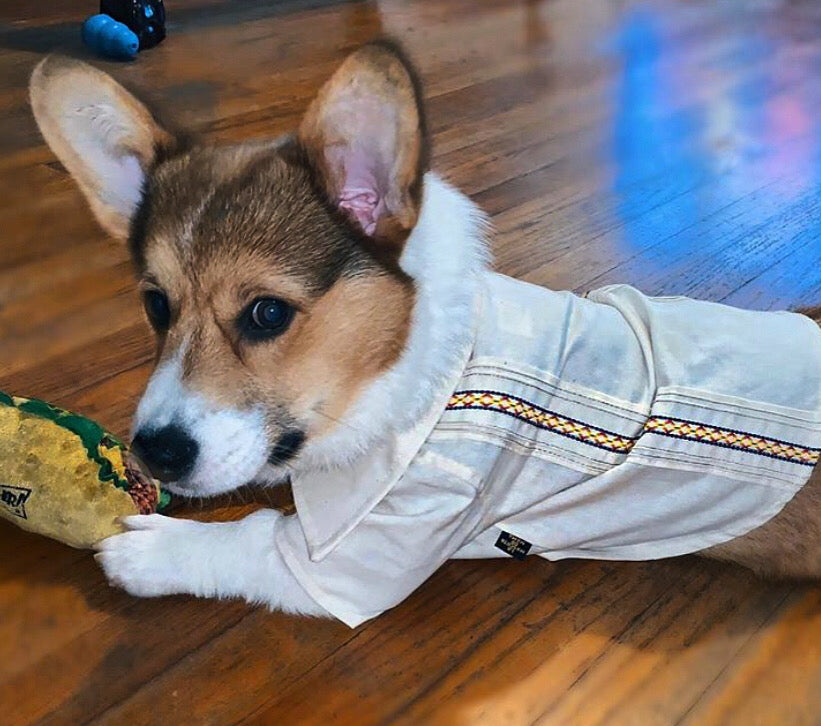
{"points": [[405, 538]]}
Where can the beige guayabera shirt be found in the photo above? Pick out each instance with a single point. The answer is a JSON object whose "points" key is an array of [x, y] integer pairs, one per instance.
{"points": [[616, 427]]}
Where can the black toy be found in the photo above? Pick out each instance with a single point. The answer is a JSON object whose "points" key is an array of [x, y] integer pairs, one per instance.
{"points": [[145, 18]]}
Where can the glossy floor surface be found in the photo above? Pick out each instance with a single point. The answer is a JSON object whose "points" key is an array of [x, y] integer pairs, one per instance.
{"points": [[672, 145]]}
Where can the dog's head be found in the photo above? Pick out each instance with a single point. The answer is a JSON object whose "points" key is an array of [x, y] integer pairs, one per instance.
{"points": [[269, 271]]}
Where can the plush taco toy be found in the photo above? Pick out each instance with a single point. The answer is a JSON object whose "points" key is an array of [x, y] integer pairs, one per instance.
{"points": [[63, 476]]}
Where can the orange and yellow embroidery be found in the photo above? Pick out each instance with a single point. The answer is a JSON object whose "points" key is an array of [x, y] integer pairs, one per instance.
{"points": [[541, 418], [731, 439], [600, 438]]}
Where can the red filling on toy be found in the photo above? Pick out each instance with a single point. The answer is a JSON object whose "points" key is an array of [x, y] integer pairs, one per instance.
{"points": [[141, 487]]}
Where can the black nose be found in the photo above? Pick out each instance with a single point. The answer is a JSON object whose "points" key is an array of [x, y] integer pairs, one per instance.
{"points": [[169, 452]]}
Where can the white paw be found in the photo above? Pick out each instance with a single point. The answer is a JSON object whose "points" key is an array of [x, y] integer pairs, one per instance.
{"points": [[154, 556]]}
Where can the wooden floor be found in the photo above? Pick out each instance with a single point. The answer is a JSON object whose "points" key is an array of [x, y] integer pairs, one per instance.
{"points": [[672, 145]]}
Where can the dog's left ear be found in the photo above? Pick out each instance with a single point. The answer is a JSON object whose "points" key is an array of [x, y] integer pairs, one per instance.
{"points": [[365, 137], [103, 135]]}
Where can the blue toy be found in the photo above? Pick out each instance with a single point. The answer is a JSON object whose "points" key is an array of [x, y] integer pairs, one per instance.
{"points": [[109, 38]]}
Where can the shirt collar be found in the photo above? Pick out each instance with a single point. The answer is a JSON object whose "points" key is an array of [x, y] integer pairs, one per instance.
{"points": [[330, 503]]}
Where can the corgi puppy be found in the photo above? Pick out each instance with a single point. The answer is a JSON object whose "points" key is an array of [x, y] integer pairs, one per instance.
{"points": [[324, 313]]}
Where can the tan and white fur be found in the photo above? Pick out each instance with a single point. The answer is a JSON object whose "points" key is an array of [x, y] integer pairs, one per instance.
{"points": [[372, 255]]}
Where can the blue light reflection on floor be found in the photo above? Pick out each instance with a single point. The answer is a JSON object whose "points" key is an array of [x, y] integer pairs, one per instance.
{"points": [[713, 153]]}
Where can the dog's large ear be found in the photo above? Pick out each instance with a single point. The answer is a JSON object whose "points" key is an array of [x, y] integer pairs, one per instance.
{"points": [[365, 137], [104, 137]]}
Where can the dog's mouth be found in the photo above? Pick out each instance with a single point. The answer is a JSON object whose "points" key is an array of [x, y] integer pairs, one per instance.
{"points": [[286, 447]]}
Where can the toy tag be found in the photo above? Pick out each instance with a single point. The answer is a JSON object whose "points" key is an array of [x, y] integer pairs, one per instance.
{"points": [[14, 499]]}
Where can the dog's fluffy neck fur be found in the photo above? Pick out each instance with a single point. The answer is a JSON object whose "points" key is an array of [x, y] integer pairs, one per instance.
{"points": [[445, 256]]}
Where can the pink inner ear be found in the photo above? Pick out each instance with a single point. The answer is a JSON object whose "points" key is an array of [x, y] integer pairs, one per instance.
{"points": [[364, 205], [361, 195]]}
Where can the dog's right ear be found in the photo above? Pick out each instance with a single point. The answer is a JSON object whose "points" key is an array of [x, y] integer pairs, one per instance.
{"points": [[365, 137], [106, 139]]}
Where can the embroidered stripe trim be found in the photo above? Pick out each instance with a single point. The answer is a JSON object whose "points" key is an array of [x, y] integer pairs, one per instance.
{"points": [[732, 439], [541, 418], [547, 420]]}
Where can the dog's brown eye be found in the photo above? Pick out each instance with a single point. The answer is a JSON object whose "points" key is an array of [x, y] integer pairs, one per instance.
{"points": [[157, 309], [268, 317]]}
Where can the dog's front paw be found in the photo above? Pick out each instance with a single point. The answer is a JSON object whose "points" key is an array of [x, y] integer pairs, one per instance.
{"points": [[153, 556]]}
